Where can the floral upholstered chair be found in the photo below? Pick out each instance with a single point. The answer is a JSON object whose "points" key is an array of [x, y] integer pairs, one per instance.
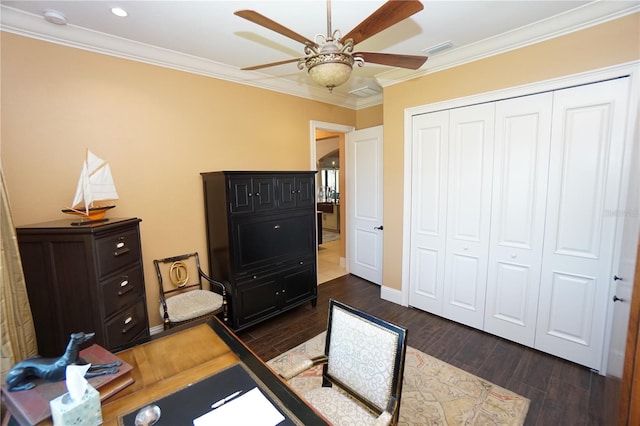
{"points": [[363, 368], [183, 297]]}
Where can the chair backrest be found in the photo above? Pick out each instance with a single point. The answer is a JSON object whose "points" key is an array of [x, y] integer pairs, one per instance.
{"points": [[365, 357], [177, 274]]}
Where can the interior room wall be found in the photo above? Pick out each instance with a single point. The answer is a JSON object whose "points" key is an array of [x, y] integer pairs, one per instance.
{"points": [[369, 117], [612, 43], [158, 128]]}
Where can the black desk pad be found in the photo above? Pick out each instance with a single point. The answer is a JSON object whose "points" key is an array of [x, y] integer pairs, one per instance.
{"points": [[187, 404]]}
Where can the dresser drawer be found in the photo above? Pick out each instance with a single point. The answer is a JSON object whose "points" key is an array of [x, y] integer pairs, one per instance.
{"points": [[126, 326], [116, 251], [122, 290]]}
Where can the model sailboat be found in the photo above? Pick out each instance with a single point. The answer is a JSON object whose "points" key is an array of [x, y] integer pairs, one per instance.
{"points": [[96, 191]]}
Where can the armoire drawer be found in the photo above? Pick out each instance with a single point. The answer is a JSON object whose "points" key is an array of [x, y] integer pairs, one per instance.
{"points": [[125, 326], [117, 251], [122, 290]]}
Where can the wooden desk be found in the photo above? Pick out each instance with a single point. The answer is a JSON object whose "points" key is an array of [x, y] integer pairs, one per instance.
{"points": [[172, 362], [183, 356]]}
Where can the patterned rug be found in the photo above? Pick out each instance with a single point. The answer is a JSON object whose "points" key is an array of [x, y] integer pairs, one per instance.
{"points": [[433, 392], [328, 236]]}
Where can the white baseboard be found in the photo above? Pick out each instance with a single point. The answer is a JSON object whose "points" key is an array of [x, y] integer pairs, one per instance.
{"points": [[157, 329], [391, 294]]}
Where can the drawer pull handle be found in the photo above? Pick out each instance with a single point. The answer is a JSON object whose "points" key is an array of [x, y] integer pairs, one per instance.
{"points": [[276, 227], [121, 252], [130, 323], [124, 287]]}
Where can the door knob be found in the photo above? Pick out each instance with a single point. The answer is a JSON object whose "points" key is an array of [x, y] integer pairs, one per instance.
{"points": [[379, 227], [617, 299], [616, 278]]}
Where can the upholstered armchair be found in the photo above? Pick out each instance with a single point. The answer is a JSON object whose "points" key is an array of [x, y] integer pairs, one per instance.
{"points": [[363, 366]]}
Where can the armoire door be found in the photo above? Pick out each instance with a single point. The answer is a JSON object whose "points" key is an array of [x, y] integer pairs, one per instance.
{"points": [[470, 167], [519, 195], [585, 174]]}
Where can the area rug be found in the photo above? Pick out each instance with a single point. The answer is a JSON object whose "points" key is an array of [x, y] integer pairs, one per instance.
{"points": [[433, 392], [328, 236]]}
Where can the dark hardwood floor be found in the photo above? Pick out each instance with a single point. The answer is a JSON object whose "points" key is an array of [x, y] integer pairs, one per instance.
{"points": [[561, 393]]}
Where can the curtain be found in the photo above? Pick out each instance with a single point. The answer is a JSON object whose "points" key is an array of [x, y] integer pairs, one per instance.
{"points": [[17, 334]]}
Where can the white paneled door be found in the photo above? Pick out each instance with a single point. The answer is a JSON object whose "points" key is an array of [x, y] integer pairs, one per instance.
{"points": [[521, 163], [364, 205], [513, 215], [585, 172], [452, 156], [428, 210], [471, 138]]}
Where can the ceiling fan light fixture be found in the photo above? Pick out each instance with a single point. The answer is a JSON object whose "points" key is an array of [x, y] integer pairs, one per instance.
{"points": [[330, 64], [330, 69]]}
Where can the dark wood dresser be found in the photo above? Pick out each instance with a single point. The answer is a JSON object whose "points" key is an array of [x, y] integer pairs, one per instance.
{"points": [[261, 236], [84, 278]]}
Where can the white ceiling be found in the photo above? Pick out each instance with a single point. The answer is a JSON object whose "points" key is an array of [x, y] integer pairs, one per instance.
{"points": [[205, 37]]}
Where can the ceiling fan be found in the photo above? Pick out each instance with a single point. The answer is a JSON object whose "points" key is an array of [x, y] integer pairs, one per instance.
{"points": [[330, 58]]}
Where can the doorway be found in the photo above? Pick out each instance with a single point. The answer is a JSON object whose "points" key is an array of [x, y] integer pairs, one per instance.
{"points": [[327, 157]]}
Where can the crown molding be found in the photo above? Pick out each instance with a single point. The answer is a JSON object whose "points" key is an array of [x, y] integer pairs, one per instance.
{"points": [[589, 15], [34, 26]]}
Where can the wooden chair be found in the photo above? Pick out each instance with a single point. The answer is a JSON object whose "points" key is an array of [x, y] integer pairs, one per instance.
{"points": [[363, 369], [183, 298]]}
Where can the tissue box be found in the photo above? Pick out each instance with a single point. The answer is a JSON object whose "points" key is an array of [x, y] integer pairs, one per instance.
{"points": [[87, 411]]}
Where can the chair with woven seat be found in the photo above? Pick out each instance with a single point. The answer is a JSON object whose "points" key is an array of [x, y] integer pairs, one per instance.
{"points": [[183, 298], [363, 368]]}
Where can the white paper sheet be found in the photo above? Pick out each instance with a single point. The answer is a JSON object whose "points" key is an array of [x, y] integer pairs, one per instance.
{"points": [[252, 408]]}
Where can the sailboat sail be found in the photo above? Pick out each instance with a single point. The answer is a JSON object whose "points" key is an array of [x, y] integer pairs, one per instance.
{"points": [[95, 186]]}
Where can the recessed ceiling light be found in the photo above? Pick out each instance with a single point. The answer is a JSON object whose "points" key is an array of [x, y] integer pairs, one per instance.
{"points": [[54, 17], [118, 11]]}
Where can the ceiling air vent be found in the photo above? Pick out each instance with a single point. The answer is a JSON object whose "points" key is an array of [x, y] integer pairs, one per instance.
{"points": [[438, 48], [364, 92]]}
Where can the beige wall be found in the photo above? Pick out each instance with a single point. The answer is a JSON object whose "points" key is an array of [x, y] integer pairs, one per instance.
{"points": [[160, 128], [157, 127], [608, 44], [369, 117]]}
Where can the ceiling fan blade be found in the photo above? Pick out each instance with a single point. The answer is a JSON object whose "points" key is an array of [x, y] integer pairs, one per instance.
{"points": [[272, 64], [256, 18], [387, 15], [412, 62]]}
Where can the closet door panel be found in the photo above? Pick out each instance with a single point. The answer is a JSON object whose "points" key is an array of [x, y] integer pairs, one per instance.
{"points": [[471, 137], [521, 157], [584, 179], [428, 210]]}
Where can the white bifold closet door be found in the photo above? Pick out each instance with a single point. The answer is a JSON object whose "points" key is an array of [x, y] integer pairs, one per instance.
{"points": [[521, 163], [513, 223], [451, 201], [468, 213], [585, 175], [429, 165]]}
